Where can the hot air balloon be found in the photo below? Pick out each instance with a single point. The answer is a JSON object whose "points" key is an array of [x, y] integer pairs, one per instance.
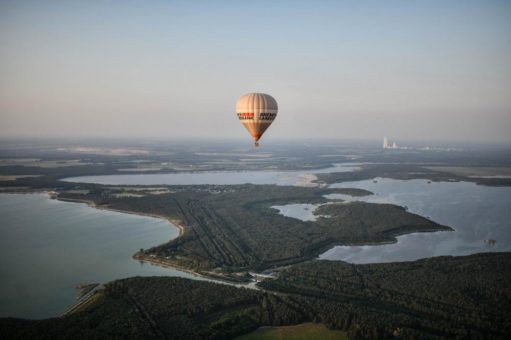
{"points": [[256, 111]]}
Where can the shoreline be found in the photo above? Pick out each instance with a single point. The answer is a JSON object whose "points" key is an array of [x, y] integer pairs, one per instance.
{"points": [[220, 277], [174, 222], [181, 229], [164, 263]]}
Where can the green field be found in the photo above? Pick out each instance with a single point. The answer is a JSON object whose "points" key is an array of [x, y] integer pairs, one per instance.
{"points": [[303, 331]]}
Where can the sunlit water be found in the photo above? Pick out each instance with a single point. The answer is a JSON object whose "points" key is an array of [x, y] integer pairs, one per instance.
{"points": [[47, 247], [50, 246], [475, 212], [213, 177], [303, 212]]}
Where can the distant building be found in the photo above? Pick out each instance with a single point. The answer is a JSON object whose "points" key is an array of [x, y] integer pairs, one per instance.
{"points": [[389, 145]]}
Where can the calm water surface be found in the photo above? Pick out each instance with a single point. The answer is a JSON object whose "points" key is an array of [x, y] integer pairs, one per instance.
{"points": [[213, 177], [301, 211], [48, 247], [476, 213]]}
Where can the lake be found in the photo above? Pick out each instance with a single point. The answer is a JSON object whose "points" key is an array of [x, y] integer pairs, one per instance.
{"points": [[300, 211], [214, 177], [50, 246], [475, 212]]}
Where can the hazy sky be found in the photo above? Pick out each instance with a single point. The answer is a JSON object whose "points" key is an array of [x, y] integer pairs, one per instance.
{"points": [[431, 70]]}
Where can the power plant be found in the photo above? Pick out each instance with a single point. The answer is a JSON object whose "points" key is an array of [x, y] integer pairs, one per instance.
{"points": [[389, 145]]}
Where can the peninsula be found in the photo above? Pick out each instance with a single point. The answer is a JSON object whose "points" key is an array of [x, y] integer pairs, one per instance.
{"points": [[230, 230]]}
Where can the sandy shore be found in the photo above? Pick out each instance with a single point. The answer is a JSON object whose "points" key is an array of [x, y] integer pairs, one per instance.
{"points": [[307, 180], [166, 264]]}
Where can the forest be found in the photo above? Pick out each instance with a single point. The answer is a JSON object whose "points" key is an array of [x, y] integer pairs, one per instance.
{"points": [[230, 230], [453, 297], [436, 298], [234, 228]]}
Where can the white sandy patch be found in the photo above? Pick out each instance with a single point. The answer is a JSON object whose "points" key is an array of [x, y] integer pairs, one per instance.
{"points": [[307, 180]]}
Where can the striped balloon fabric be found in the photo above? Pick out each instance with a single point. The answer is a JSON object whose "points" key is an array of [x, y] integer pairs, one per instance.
{"points": [[256, 111]]}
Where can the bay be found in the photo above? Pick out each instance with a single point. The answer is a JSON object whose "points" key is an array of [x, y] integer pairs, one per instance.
{"points": [[49, 246], [476, 213]]}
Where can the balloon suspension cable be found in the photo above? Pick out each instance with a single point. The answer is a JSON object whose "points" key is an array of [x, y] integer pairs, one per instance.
{"points": [[256, 144]]}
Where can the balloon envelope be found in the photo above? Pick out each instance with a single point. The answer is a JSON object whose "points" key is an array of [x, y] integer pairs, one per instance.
{"points": [[256, 111]]}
